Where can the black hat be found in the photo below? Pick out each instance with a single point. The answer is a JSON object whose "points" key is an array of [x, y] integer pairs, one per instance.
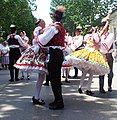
{"points": [[59, 12], [102, 24], [38, 21]]}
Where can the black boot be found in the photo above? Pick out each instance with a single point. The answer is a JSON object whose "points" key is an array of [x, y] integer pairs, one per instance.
{"points": [[80, 90], [102, 91], [76, 72], [11, 75], [47, 81], [56, 105], [16, 74], [109, 89], [57, 90]]}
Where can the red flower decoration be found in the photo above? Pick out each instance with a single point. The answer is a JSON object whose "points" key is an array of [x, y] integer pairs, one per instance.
{"points": [[54, 14]]}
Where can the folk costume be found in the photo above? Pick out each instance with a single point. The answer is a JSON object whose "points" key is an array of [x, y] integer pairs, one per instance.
{"points": [[75, 44], [67, 50], [53, 37], [77, 40], [107, 40], [14, 43], [89, 58], [33, 59], [26, 40]]}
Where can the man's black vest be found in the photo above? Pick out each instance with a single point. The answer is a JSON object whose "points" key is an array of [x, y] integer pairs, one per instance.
{"points": [[12, 40]]}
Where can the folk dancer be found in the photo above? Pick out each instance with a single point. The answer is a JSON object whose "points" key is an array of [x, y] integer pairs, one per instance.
{"points": [[77, 44], [107, 40], [89, 60], [26, 40], [33, 60], [54, 37], [14, 43]]}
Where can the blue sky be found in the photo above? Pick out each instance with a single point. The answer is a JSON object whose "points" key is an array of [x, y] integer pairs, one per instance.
{"points": [[43, 9]]}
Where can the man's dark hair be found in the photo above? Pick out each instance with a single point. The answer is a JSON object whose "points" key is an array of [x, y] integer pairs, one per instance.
{"points": [[13, 29], [58, 14]]}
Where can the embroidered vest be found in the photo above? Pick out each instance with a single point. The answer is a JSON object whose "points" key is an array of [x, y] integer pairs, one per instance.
{"points": [[59, 38], [13, 41]]}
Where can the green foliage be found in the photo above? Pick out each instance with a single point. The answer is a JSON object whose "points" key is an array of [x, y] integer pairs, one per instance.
{"points": [[18, 12], [82, 12], [1, 39]]}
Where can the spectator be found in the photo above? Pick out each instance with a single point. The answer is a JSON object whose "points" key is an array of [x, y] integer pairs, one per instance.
{"points": [[1, 46], [5, 55]]}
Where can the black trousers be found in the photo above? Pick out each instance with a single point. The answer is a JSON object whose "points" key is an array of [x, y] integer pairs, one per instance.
{"points": [[110, 75], [54, 69], [14, 55], [47, 79], [76, 71]]}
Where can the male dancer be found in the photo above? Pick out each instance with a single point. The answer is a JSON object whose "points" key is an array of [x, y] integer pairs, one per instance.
{"points": [[107, 40], [54, 38]]}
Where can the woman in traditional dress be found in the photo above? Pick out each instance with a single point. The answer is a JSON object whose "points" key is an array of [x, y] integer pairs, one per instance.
{"points": [[26, 40], [90, 60], [67, 51], [33, 59]]}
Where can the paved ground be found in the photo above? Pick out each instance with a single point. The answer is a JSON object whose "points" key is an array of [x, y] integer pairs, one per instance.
{"points": [[16, 104]]}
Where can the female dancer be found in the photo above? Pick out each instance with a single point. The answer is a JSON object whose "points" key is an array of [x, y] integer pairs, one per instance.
{"points": [[33, 60], [26, 40], [90, 60]]}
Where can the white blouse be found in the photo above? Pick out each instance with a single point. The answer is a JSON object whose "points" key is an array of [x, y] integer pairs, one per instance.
{"points": [[5, 50]]}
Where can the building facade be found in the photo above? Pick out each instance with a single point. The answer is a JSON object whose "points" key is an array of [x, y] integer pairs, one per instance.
{"points": [[113, 23]]}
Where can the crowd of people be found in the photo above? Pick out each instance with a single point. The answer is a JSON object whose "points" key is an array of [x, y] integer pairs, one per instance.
{"points": [[54, 49]]}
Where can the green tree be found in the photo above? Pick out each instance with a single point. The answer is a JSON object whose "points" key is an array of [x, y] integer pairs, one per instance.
{"points": [[18, 12], [82, 12]]}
